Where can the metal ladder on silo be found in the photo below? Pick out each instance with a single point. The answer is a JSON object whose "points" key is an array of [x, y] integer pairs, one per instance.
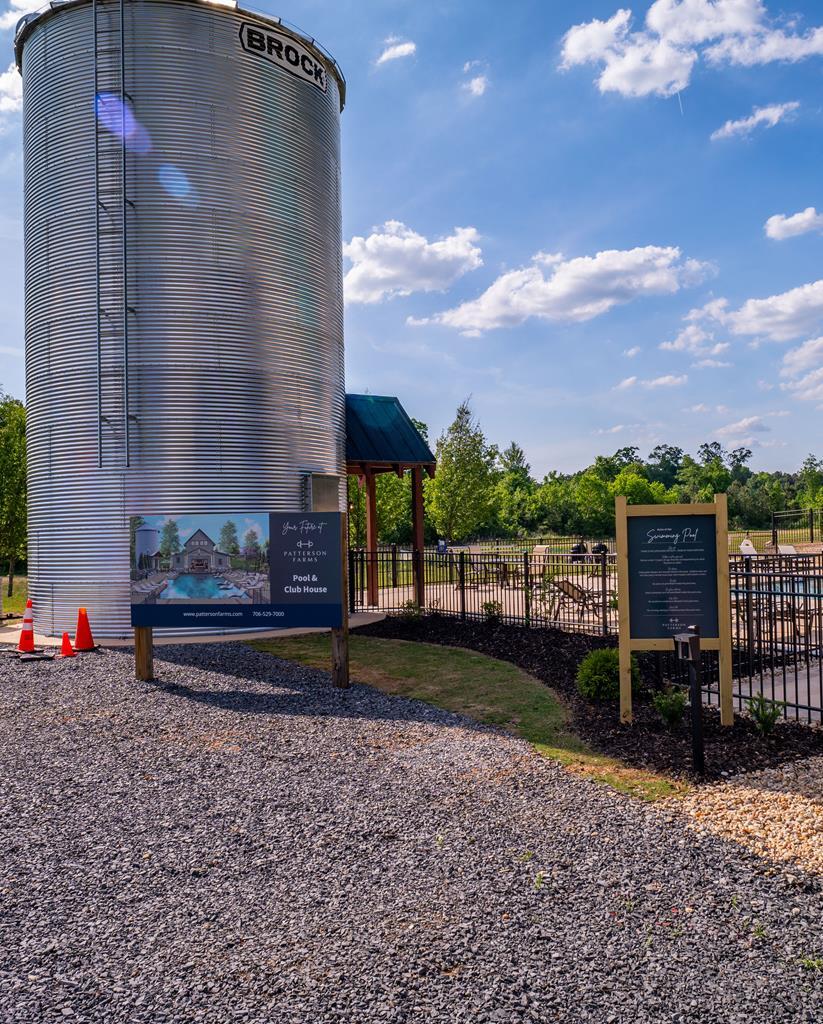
{"points": [[111, 229]]}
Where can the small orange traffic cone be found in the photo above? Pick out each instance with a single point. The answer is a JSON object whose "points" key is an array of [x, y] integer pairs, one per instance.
{"points": [[66, 649], [26, 644], [83, 640]]}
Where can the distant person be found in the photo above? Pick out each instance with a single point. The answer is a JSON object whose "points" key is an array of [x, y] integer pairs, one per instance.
{"points": [[579, 551], [600, 549]]}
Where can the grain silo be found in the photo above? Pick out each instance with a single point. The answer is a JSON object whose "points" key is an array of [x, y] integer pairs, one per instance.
{"points": [[184, 312]]}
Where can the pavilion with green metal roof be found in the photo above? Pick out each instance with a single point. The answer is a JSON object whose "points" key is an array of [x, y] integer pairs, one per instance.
{"points": [[381, 438]]}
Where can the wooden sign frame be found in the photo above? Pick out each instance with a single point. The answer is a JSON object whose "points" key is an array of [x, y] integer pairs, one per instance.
{"points": [[722, 643]]}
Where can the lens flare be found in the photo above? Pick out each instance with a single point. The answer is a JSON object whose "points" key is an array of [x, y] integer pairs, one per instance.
{"points": [[176, 182], [118, 118]]}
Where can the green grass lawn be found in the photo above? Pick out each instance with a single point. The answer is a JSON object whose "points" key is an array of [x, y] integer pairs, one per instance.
{"points": [[485, 689], [17, 602]]}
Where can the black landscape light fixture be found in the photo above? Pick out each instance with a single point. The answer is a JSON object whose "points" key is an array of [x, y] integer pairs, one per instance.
{"points": [[687, 648]]}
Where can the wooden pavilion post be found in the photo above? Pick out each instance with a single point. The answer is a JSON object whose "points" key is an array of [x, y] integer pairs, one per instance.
{"points": [[372, 567], [417, 536]]}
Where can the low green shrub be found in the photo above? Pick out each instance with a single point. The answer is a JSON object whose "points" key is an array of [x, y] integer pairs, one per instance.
{"points": [[410, 610], [765, 712], [598, 675], [670, 705], [492, 611]]}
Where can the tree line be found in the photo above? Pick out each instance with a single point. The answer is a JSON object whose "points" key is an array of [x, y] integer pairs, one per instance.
{"points": [[481, 491]]}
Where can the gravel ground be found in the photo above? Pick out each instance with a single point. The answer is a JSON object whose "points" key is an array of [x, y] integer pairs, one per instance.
{"points": [[242, 843], [778, 812]]}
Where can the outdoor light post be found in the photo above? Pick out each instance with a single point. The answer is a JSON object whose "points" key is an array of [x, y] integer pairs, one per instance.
{"points": [[687, 648]]}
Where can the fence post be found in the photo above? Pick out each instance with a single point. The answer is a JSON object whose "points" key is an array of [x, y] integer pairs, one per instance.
{"points": [[747, 577], [527, 590], [419, 579], [362, 576], [352, 583], [461, 576], [774, 532], [394, 565], [811, 525], [604, 591]]}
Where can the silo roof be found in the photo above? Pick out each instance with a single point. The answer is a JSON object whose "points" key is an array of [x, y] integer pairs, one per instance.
{"points": [[28, 21]]}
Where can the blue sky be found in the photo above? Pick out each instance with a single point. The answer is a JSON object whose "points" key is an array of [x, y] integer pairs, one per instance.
{"points": [[536, 201]]}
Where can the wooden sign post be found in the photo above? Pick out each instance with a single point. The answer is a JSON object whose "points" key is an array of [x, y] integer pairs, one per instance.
{"points": [[143, 653], [340, 637], [673, 573]]}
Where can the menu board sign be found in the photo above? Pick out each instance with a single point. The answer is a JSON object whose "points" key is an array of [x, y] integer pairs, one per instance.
{"points": [[672, 570]]}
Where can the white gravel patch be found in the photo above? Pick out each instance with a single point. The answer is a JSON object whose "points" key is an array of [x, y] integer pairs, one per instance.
{"points": [[242, 843]]}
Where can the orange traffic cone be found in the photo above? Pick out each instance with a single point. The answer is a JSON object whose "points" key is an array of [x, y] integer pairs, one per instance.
{"points": [[26, 645], [83, 640], [66, 649]]}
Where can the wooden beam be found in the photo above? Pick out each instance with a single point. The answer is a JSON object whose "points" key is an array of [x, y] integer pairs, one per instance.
{"points": [[624, 654], [340, 637], [724, 611], [417, 536], [371, 540], [143, 653]]}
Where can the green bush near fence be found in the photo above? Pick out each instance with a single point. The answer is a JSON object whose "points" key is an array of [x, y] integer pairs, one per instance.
{"points": [[598, 675]]}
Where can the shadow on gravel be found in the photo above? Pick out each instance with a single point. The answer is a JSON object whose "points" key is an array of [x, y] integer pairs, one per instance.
{"points": [[300, 692]]}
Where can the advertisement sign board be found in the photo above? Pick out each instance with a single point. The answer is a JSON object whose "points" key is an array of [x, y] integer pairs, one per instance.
{"points": [[253, 569]]}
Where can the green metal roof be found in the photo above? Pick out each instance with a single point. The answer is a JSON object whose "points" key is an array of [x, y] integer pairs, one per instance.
{"points": [[379, 430]]}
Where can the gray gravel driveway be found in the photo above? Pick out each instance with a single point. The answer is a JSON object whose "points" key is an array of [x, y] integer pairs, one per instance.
{"points": [[241, 843]]}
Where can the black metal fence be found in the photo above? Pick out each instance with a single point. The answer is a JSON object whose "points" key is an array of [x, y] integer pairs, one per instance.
{"points": [[776, 603], [797, 526]]}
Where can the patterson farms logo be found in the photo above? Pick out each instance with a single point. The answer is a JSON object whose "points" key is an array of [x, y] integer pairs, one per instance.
{"points": [[283, 51]]}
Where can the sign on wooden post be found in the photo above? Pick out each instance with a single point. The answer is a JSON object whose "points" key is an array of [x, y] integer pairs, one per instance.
{"points": [[672, 573]]}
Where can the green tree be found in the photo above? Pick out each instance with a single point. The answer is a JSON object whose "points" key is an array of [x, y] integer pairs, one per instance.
{"points": [[169, 539], [459, 499], [12, 483], [252, 551], [664, 464], [228, 538], [514, 492]]}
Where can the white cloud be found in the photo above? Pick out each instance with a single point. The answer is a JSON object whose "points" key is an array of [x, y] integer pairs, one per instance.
{"points": [[668, 380], [394, 260], [701, 407], [618, 428], [11, 350], [766, 47], [806, 357], [476, 86], [17, 8], [576, 289], [634, 63], [780, 317], [780, 226], [395, 50], [808, 388], [711, 364], [11, 94], [630, 353], [749, 424], [697, 341], [657, 58], [767, 116]]}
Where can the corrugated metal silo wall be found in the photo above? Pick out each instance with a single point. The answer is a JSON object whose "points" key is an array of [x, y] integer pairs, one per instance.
{"points": [[235, 328]]}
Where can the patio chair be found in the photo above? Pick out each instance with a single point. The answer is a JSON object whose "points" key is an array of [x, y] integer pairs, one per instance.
{"points": [[575, 596]]}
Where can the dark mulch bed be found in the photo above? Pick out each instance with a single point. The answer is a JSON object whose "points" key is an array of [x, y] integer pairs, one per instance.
{"points": [[552, 656]]}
